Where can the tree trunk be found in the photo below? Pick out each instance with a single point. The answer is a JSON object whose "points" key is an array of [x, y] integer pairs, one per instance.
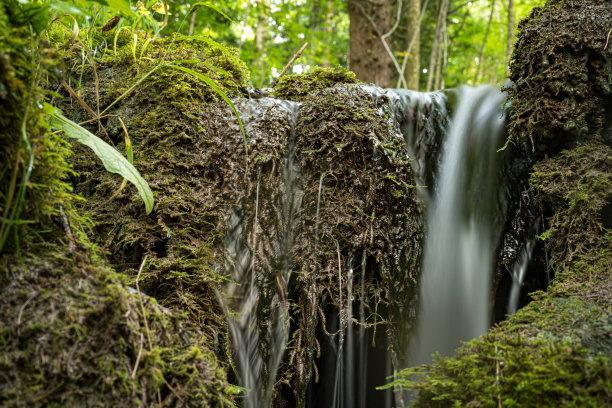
{"points": [[510, 36], [413, 36], [484, 42], [329, 31], [261, 35], [368, 59], [436, 55]]}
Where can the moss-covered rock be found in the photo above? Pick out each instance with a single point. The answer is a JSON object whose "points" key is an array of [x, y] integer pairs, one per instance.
{"points": [[72, 333], [575, 185], [562, 75], [551, 353]]}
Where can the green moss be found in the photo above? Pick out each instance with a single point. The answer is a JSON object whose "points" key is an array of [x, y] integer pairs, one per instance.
{"points": [[74, 335], [298, 87], [554, 352]]}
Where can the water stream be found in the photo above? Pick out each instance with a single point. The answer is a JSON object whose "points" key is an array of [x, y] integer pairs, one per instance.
{"points": [[258, 264], [461, 239]]}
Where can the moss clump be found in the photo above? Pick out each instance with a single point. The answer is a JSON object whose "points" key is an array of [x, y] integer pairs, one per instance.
{"points": [[554, 352], [74, 335], [575, 186], [562, 75], [298, 87]]}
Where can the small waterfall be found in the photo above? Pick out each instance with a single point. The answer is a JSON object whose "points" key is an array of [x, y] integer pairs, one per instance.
{"points": [[461, 240], [258, 264], [518, 273]]}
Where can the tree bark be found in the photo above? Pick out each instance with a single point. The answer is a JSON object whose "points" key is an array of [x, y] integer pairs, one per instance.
{"points": [[329, 31], [510, 38], [435, 57], [261, 35], [368, 58], [413, 65], [484, 42]]}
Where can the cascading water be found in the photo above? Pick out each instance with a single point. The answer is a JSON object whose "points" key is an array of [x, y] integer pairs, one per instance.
{"points": [[461, 240], [258, 267], [458, 173]]}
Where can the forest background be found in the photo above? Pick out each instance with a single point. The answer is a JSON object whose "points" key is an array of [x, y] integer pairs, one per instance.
{"points": [[415, 44]]}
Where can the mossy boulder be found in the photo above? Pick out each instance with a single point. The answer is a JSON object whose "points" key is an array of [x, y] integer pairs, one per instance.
{"points": [[337, 159], [562, 75], [72, 332]]}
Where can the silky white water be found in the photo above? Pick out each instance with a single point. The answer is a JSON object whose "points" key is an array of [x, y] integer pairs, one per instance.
{"points": [[460, 242]]}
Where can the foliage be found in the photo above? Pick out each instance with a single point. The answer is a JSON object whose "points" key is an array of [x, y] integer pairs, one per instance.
{"points": [[34, 163], [113, 160]]}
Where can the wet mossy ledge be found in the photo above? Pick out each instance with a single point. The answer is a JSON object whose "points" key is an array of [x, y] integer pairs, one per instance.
{"points": [[557, 351]]}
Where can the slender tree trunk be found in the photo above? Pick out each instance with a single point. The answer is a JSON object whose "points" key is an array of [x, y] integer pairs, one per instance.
{"points": [[435, 56], [192, 22], [368, 58], [261, 35], [510, 36], [413, 65], [329, 31], [484, 42]]}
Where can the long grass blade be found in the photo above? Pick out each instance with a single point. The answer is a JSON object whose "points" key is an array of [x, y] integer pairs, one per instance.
{"points": [[210, 6], [220, 92]]}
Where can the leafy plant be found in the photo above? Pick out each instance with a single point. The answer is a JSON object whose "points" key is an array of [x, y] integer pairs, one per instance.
{"points": [[113, 160]]}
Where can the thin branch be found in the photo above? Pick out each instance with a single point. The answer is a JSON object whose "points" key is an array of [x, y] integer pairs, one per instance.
{"points": [[296, 56]]}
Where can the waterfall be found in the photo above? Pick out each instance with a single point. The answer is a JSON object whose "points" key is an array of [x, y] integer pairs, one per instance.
{"points": [[462, 237], [258, 264], [460, 180]]}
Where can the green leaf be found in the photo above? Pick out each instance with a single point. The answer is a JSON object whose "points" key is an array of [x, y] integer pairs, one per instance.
{"points": [[113, 160], [210, 6]]}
